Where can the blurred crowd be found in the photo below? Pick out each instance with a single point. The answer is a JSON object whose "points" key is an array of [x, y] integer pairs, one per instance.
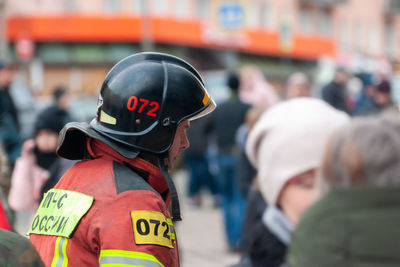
{"points": [[305, 176], [267, 156], [29, 165]]}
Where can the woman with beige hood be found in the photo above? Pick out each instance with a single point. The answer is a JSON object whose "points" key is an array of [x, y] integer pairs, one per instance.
{"points": [[286, 147]]}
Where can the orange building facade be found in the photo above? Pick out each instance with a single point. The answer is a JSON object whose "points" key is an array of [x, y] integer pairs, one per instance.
{"points": [[79, 40]]}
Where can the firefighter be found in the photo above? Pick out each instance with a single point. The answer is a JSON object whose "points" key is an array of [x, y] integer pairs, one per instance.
{"points": [[117, 205]]}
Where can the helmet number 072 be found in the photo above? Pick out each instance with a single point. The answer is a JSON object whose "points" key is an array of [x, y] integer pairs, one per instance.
{"points": [[133, 103]]}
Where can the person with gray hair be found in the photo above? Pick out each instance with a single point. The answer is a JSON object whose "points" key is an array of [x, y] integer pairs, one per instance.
{"points": [[355, 223]]}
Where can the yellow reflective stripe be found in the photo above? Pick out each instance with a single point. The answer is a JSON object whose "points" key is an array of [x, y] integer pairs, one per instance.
{"points": [[171, 227], [60, 253], [112, 257]]}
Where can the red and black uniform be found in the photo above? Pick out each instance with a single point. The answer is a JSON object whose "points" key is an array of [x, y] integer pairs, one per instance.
{"points": [[106, 234]]}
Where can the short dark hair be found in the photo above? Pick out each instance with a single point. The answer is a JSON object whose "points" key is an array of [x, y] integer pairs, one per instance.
{"points": [[383, 87], [59, 92], [233, 81]]}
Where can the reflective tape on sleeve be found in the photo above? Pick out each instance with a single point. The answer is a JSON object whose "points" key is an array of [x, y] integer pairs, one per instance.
{"points": [[60, 253], [127, 258]]}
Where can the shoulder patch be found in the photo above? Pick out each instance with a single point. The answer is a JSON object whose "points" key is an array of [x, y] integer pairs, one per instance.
{"points": [[59, 212], [127, 179]]}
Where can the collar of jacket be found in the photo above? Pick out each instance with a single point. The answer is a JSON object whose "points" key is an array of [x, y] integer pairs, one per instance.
{"points": [[274, 219], [98, 149]]}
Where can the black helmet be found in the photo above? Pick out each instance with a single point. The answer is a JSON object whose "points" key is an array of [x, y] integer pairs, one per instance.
{"points": [[142, 100]]}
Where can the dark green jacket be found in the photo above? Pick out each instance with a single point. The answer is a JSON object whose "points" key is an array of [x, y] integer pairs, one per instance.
{"points": [[349, 228], [17, 251]]}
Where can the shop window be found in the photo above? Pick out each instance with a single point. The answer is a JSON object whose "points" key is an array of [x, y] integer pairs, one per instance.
{"points": [[137, 6], [305, 20], [181, 8], [112, 6], [390, 39], [159, 7], [203, 9], [324, 22]]}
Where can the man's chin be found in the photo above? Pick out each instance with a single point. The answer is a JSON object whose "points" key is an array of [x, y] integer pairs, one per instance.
{"points": [[171, 163]]}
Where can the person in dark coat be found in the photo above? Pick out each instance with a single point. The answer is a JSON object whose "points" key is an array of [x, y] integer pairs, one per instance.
{"points": [[381, 99], [6, 101], [39, 168], [334, 93], [224, 123], [9, 122], [60, 105], [356, 221]]}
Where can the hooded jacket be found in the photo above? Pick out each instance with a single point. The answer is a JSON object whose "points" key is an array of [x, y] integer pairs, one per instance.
{"points": [[106, 210], [354, 227]]}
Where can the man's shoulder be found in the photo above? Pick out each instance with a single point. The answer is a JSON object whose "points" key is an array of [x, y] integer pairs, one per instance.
{"points": [[93, 177], [109, 182], [90, 168]]}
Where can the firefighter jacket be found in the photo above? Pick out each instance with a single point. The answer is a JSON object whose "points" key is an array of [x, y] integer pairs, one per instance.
{"points": [[105, 211]]}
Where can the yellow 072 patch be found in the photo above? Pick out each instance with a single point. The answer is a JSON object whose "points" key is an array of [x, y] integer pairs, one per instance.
{"points": [[151, 228]]}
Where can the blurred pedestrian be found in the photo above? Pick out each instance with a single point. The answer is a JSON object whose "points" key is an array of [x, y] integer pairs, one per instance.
{"points": [[382, 97], [381, 100], [196, 160], [286, 146], [60, 104], [246, 173], [254, 89], [244, 169], [9, 122], [334, 92], [39, 168], [5, 172], [119, 201], [364, 99], [355, 223], [224, 123], [6, 101], [15, 250], [4, 220], [6, 215], [298, 85]]}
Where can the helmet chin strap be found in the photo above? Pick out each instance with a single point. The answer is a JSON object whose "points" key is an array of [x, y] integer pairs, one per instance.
{"points": [[176, 211]]}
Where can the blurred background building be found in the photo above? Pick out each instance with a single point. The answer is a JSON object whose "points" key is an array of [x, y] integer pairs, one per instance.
{"points": [[74, 43]]}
